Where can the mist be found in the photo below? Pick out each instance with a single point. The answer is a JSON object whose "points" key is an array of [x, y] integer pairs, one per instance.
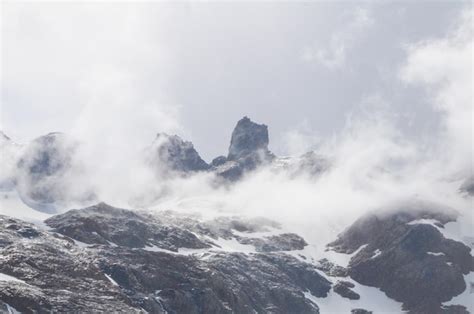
{"points": [[373, 160]]}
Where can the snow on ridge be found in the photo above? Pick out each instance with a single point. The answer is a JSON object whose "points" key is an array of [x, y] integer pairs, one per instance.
{"points": [[111, 280], [11, 204], [377, 252], [432, 222], [220, 245], [5, 277], [436, 253], [460, 230]]}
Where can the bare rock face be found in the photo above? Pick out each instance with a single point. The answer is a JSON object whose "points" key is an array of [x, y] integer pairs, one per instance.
{"points": [[220, 283], [343, 288], [360, 311], [248, 138], [107, 271], [331, 269], [107, 225], [170, 152], [48, 172], [50, 273], [281, 242], [104, 224], [43, 164], [404, 253], [248, 149]]}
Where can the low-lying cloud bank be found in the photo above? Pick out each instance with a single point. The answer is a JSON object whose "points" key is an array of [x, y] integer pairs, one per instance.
{"points": [[371, 163]]}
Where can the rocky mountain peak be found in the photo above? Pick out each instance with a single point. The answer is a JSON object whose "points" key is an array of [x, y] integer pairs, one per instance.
{"points": [[48, 154], [177, 154], [248, 138]]}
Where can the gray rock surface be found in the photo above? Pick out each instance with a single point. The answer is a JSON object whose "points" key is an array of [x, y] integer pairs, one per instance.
{"points": [[249, 139], [49, 173], [104, 224], [331, 269], [411, 262], [171, 153], [55, 272], [360, 311], [344, 289], [248, 149]]}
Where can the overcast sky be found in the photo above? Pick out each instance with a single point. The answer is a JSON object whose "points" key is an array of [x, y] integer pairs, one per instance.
{"points": [[129, 71]]}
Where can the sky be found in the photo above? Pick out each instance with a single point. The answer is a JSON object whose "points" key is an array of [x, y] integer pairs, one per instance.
{"points": [[119, 72], [382, 90]]}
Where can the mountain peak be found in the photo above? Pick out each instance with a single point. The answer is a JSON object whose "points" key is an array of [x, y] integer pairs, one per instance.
{"points": [[248, 138], [177, 154]]}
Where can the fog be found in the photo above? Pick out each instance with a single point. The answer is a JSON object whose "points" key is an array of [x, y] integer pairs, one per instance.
{"points": [[374, 161]]}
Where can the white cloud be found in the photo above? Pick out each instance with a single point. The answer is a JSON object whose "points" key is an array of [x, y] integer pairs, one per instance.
{"points": [[333, 55], [444, 68]]}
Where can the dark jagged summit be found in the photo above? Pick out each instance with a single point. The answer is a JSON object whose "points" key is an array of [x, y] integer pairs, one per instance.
{"points": [[47, 155], [404, 253], [48, 170], [248, 149], [126, 261], [176, 154], [249, 138]]}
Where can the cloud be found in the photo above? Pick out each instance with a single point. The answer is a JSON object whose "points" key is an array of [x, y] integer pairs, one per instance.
{"points": [[333, 55], [104, 70], [443, 67]]}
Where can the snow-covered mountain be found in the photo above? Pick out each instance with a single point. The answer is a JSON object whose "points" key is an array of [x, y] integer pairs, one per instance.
{"points": [[413, 256]]}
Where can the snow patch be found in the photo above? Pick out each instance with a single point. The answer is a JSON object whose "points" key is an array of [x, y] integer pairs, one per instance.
{"points": [[111, 280], [342, 259], [371, 299], [435, 253], [5, 277], [431, 222], [11, 309], [377, 252], [12, 205]]}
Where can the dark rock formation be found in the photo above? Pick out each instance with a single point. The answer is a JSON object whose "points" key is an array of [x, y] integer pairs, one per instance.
{"points": [[219, 161], [104, 224], [360, 311], [248, 138], [411, 262], [281, 242], [48, 155], [55, 273], [43, 165], [343, 288], [170, 152], [331, 269], [107, 225], [49, 172], [248, 149], [52, 274], [221, 283]]}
